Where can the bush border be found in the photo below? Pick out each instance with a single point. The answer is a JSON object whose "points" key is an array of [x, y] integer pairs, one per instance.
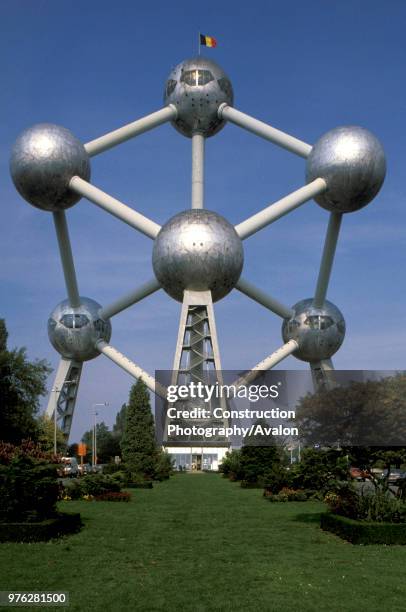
{"points": [[63, 524], [362, 532]]}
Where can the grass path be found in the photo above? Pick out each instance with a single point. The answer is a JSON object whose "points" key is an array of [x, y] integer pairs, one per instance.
{"points": [[200, 543]]}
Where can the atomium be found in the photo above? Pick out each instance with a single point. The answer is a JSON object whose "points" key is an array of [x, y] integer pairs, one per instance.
{"points": [[319, 332], [198, 250], [73, 332], [43, 160], [352, 162], [197, 254], [197, 87]]}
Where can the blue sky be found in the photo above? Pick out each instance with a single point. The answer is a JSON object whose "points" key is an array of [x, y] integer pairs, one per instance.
{"points": [[304, 67]]}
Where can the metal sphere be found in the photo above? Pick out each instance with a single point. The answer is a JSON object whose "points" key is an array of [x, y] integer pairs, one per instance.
{"points": [[318, 331], [199, 250], [73, 332], [43, 160], [352, 162], [197, 87]]}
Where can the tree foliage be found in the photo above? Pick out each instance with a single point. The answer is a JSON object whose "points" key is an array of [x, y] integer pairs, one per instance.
{"points": [[138, 445], [107, 445], [371, 413], [119, 425], [22, 383], [46, 432]]}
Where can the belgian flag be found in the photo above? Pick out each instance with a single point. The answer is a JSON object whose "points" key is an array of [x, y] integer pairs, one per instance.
{"points": [[208, 41]]}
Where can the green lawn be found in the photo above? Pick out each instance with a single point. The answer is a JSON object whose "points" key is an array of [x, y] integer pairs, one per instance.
{"points": [[201, 543]]}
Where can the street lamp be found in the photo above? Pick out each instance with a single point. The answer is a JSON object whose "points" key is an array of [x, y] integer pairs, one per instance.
{"points": [[58, 390], [94, 450]]}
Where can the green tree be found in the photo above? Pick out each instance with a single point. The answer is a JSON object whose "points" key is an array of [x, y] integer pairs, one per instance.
{"points": [[22, 383], [119, 425], [138, 445], [46, 434], [107, 446], [371, 413], [259, 455]]}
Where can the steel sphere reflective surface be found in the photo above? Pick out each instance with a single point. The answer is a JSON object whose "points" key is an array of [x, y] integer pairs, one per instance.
{"points": [[73, 332], [318, 331], [198, 249], [197, 87], [43, 160], [352, 162]]}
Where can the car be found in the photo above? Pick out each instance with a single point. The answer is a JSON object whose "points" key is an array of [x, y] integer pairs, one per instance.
{"points": [[69, 467], [395, 476], [84, 468]]}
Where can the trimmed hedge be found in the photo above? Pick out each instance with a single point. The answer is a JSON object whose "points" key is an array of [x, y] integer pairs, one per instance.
{"points": [[139, 485], [63, 523], [363, 532]]}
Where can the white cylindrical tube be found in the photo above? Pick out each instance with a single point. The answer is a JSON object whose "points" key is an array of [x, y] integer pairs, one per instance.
{"points": [[266, 300], [114, 207], [65, 250], [198, 142], [280, 208], [259, 128], [327, 258], [268, 363], [107, 141], [132, 368], [130, 298]]}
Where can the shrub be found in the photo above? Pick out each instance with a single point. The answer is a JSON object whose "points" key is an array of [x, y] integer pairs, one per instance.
{"points": [[380, 506], [92, 484], [363, 532], [164, 465], [71, 490], [114, 496], [61, 524], [286, 495], [250, 484], [97, 484], [122, 477], [275, 479], [28, 489], [231, 465], [257, 461], [112, 468], [27, 448], [319, 470]]}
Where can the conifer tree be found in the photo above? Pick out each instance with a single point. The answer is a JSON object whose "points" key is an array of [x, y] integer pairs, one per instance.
{"points": [[138, 445]]}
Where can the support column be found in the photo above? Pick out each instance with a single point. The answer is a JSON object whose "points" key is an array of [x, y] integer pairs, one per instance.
{"points": [[323, 375], [62, 397], [198, 142], [197, 359], [65, 250]]}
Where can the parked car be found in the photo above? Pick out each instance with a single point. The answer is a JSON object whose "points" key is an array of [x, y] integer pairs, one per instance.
{"points": [[69, 467], [395, 475], [84, 468]]}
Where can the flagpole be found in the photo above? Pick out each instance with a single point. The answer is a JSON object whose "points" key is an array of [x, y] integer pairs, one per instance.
{"points": [[199, 44]]}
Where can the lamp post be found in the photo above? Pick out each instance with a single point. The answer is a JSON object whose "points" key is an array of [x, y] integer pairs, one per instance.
{"points": [[58, 390], [94, 450]]}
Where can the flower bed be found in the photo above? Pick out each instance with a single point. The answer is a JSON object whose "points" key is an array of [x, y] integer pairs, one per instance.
{"points": [[286, 495], [113, 496]]}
